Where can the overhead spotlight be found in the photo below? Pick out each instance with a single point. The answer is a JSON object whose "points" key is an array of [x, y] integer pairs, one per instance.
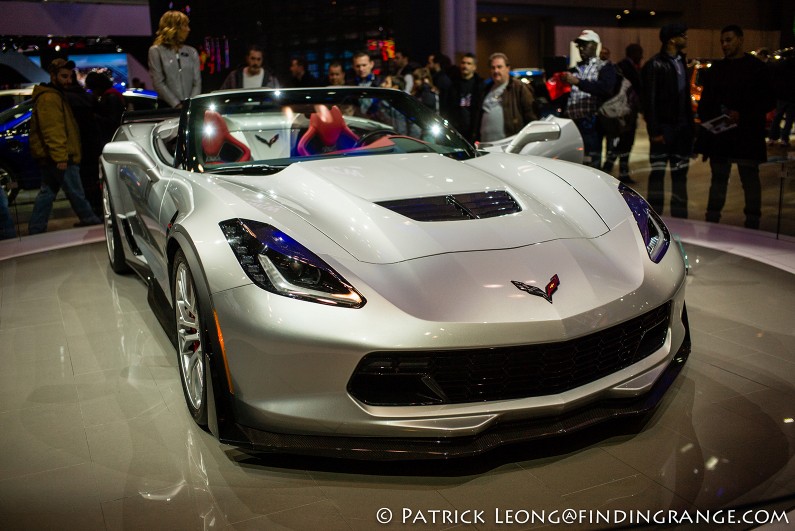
{"points": [[618, 17], [57, 47], [652, 13], [626, 11], [494, 19]]}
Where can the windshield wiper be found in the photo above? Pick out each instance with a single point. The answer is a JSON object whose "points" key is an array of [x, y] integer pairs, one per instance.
{"points": [[254, 169]]}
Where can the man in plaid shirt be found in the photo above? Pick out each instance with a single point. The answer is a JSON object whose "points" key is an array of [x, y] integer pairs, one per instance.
{"points": [[592, 82]]}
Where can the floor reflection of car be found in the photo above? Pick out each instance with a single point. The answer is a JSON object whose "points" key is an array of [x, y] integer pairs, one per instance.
{"points": [[18, 171]]}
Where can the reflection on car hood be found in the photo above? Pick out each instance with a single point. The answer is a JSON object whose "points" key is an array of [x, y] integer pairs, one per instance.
{"points": [[339, 197]]}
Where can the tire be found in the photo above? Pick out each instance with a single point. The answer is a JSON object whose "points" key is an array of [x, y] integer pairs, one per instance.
{"points": [[191, 339], [112, 234]]}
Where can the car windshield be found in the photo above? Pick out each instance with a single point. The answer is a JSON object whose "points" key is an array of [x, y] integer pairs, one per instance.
{"points": [[240, 131]]}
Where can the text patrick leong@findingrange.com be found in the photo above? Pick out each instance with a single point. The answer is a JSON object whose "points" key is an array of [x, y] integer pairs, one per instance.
{"points": [[581, 516]]}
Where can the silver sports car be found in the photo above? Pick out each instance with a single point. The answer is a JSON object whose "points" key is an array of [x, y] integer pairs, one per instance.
{"points": [[343, 274]]}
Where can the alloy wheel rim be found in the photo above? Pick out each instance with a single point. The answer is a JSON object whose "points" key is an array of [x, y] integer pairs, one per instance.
{"points": [[108, 219], [191, 353]]}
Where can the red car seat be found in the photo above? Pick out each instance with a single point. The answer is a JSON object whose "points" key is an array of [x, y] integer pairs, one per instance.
{"points": [[327, 132], [218, 143]]}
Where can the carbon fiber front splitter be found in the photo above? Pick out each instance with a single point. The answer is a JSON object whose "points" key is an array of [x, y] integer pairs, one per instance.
{"points": [[388, 449]]}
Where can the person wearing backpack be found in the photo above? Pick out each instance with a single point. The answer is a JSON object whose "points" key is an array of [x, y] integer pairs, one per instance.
{"points": [[593, 81], [620, 146]]}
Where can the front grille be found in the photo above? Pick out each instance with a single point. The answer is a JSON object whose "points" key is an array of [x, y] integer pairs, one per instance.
{"points": [[502, 373], [476, 205]]}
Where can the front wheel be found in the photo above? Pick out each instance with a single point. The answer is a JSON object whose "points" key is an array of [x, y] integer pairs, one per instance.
{"points": [[191, 340]]}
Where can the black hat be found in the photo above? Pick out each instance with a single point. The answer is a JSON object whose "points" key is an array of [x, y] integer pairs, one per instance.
{"points": [[670, 31], [60, 63]]}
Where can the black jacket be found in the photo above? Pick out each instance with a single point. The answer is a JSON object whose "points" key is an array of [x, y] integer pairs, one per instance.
{"points": [[742, 85], [463, 119], [663, 105]]}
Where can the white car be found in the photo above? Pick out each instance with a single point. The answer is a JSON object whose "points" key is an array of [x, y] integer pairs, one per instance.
{"points": [[551, 137], [343, 274]]}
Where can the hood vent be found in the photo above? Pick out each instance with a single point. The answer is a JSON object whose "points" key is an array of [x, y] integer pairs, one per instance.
{"points": [[476, 205]]}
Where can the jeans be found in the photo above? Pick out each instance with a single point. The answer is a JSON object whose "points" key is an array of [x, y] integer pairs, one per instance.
{"points": [[749, 176], [6, 222], [53, 180], [674, 151], [784, 109], [592, 136], [619, 147]]}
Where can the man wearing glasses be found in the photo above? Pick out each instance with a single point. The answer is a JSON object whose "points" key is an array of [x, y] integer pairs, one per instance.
{"points": [[593, 81]]}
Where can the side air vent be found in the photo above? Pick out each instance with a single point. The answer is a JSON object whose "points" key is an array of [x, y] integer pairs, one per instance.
{"points": [[476, 205]]}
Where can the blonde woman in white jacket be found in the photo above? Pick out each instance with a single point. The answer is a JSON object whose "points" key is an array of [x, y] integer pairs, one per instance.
{"points": [[174, 66]]}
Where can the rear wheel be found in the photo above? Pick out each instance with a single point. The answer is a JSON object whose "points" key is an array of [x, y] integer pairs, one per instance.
{"points": [[191, 340], [112, 234]]}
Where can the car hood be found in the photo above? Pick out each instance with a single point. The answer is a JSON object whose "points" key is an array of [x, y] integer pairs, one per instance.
{"points": [[340, 197]]}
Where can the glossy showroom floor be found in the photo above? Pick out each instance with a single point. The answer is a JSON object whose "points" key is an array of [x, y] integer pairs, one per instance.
{"points": [[94, 433]]}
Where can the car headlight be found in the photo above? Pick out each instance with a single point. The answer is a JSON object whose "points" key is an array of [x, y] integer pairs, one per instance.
{"points": [[277, 263], [652, 229]]}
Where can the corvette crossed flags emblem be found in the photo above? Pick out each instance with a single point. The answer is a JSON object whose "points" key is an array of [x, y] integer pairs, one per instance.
{"points": [[546, 293]]}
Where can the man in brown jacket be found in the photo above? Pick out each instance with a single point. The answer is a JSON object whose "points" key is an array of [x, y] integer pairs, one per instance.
{"points": [[55, 144], [507, 105]]}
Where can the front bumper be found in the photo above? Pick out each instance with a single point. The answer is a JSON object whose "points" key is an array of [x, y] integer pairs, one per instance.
{"points": [[386, 448]]}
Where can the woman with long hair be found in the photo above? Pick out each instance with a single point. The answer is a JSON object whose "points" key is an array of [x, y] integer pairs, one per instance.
{"points": [[174, 66]]}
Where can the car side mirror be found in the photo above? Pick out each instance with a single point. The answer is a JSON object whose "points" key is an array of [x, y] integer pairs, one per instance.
{"points": [[131, 154], [537, 131]]}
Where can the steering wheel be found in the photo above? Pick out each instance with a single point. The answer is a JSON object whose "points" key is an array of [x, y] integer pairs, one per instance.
{"points": [[371, 136]]}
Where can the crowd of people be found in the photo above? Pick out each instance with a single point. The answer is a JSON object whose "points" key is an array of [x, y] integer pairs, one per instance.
{"points": [[69, 126], [738, 93]]}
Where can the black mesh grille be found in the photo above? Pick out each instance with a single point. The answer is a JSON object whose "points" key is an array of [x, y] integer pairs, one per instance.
{"points": [[501, 373], [455, 207]]}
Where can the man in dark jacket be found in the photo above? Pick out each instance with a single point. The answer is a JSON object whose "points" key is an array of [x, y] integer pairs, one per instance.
{"points": [[362, 65], [55, 144], [300, 76], [464, 98], [593, 82], [669, 119], [253, 75], [740, 88], [507, 104]]}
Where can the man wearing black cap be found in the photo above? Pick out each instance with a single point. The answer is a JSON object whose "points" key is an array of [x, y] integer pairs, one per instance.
{"points": [[669, 119], [592, 83], [55, 144], [738, 87]]}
